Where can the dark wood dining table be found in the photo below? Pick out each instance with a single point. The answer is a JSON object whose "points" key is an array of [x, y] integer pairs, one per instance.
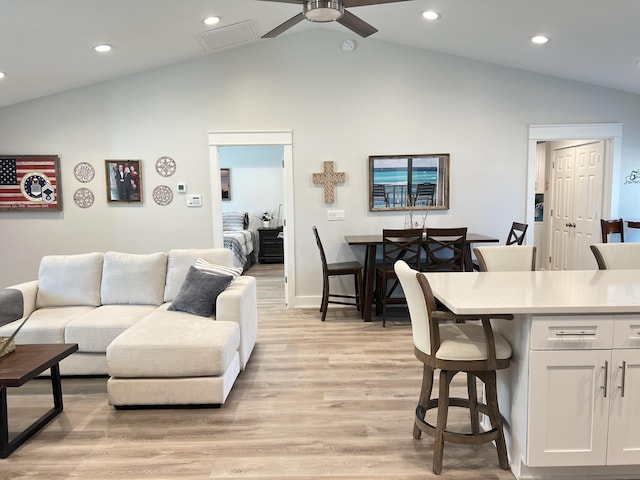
{"points": [[371, 243]]}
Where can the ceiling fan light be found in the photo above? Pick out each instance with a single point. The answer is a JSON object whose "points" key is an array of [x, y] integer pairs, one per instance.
{"points": [[323, 10]]}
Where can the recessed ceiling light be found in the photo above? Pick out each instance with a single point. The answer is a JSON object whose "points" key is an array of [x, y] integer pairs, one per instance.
{"points": [[539, 39], [1, 74], [102, 48], [431, 15], [211, 20]]}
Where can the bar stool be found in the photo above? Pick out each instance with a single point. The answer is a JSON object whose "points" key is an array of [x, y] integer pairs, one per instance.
{"points": [[333, 269], [454, 348]]}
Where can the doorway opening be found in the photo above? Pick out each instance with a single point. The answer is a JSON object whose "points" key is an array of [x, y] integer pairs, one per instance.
{"points": [[605, 198], [283, 139]]}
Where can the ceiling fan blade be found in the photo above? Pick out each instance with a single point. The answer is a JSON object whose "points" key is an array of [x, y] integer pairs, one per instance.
{"points": [[364, 3], [356, 24], [285, 26]]}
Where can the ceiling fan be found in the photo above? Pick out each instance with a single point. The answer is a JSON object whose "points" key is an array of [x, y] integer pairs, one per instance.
{"points": [[329, 11]]}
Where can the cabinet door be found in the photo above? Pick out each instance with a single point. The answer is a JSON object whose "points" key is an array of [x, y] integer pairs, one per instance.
{"points": [[624, 421], [568, 410]]}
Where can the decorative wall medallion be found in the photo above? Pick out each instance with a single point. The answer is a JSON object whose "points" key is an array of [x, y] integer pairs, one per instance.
{"points": [[83, 197], [84, 172], [166, 166], [162, 195]]}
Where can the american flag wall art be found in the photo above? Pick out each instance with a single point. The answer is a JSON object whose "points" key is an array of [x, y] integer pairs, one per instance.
{"points": [[30, 182]]}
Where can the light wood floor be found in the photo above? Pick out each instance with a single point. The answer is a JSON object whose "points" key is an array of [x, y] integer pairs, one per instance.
{"points": [[332, 400]]}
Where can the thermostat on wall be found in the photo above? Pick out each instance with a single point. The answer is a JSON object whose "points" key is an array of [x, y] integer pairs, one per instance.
{"points": [[194, 201]]}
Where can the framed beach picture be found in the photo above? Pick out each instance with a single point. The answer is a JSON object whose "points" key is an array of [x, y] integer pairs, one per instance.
{"points": [[124, 181], [404, 182], [30, 183]]}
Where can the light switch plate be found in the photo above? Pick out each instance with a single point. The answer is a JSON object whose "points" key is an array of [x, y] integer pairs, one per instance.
{"points": [[335, 215], [181, 188]]}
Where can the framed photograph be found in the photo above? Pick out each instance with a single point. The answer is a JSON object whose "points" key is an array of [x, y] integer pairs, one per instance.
{"points": [[225, 183], [124, 181], [408, 182], [30, 182]]}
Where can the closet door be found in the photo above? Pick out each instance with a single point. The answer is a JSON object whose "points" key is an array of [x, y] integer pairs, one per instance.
{"points": [[576, 205], [587, 205], [562, 242]]}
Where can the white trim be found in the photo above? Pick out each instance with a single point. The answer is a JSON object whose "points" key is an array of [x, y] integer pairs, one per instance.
{"points": [[284, 138]]}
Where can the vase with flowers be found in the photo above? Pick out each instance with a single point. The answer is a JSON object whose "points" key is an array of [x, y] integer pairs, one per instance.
{"points": [[266, 218]]}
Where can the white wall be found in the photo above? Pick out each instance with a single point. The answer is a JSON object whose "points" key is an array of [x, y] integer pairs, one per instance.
{"points": [[382, 98], [256, 178]]}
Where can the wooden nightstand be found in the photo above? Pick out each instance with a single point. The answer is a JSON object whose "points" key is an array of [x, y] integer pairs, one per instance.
{"points": [[271, 245]]}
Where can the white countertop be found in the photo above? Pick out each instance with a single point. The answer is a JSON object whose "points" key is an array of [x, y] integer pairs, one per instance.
{"points": [[543, 292]]}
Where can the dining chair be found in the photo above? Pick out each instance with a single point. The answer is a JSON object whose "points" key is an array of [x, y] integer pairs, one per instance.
{"points": [[471, 348], [336, 269], [397, 244], [444, 249], [506, 258], [612, 226], [517, 233], [617, 256]]}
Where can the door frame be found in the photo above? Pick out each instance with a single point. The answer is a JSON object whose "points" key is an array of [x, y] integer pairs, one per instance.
{"points": [[240, 138], [610, 132]]}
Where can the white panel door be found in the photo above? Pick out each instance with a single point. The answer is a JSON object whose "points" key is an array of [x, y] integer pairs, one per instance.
{"points": [[624, 416], [587, 207], [577, 205], [562, 243], [568, 410]]}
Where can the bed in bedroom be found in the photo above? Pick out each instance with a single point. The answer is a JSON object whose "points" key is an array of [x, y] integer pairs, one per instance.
{"points": [[240, 238]]}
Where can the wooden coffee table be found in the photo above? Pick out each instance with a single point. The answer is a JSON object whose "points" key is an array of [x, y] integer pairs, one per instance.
{"points": [[16, 369]]}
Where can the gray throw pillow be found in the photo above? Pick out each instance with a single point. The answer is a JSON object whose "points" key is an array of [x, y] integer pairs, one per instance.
{"points": [[11, 305], [199, 292]]}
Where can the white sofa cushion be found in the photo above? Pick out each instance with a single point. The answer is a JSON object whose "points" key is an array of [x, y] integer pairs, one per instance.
{"points": [[173, 344], [45, 325], [95, 330], [69, 280], [133, 279], [181, 259]]}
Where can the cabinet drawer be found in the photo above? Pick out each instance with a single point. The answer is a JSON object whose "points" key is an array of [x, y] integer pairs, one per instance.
{"points": [[626, 331], [571, 332]]}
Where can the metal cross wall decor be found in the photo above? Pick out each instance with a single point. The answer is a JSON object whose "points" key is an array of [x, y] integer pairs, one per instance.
{"points": [[329, 178]]}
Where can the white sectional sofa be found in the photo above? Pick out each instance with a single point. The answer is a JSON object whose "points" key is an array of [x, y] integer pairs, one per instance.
{"points": [[118, 308]]}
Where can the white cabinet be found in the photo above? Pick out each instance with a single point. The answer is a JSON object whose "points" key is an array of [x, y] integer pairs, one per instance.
{"points": [[584, 391]]}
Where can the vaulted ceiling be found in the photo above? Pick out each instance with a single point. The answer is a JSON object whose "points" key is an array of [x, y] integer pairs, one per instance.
{"points": [[47, 44]]}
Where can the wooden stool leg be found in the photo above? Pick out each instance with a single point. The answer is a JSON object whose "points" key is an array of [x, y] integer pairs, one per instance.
{"points": [[473, 402], [425, 396], [443, 410], [495, 418]]}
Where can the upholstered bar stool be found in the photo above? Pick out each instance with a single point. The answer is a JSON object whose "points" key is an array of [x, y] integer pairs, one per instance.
{"points": [[617, 256], [454, 348], [506, 258]]}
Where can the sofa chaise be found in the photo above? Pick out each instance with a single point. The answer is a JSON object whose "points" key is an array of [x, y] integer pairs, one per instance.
{"points": [[152, 322]]}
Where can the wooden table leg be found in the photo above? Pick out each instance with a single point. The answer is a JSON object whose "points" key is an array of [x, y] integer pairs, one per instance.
{"points": [[369, 280], [8, 446]]}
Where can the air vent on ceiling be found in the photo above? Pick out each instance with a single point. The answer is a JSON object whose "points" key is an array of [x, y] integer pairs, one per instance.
{"points": [[226, 37]]}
